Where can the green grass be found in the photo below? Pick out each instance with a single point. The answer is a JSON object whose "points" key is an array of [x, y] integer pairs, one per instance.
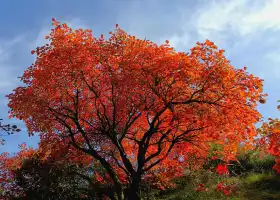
{"points": [[253, 186], [185, 189], [262, 187], [255, 179]]}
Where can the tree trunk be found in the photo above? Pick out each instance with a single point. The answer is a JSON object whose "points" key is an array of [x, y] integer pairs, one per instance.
{"points": [[133, 195], [133, 192]]}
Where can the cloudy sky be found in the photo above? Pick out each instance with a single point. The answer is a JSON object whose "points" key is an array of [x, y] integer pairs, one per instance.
{"points": [[249, 31]]}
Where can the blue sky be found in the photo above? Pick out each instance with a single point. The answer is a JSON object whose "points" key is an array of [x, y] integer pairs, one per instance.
{"points": [[249, 31]]}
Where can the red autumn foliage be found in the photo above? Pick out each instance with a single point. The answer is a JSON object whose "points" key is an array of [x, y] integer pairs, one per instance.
{"points": [[136, 107], [270, 141], [222, 169], [226, 189], [8, 165]]}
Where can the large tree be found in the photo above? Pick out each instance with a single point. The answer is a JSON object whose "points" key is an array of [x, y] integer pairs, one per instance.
{"points": [[134, 106]]}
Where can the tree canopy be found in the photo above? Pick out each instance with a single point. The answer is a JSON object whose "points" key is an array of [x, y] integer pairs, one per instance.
{"points": [[136, 108]]}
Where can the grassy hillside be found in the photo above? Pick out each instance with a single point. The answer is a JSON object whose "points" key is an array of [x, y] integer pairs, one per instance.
{"points": [[254, 178], [254, 186]]}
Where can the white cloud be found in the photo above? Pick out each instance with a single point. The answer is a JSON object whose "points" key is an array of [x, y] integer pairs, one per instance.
{"points": [[220, 20], [266, 18], [40, 39], [243, 17], [179, 41], [216, 16], [77, 23], [5, 47], [273, 56], [7, 76]]}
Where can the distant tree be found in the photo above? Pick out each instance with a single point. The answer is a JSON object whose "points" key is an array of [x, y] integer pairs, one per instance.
{"points": [[50, 181], [29, 174], [270, 140]]}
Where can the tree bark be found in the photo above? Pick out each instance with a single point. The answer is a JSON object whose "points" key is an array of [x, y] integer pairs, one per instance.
{"points": [[133, 192]]}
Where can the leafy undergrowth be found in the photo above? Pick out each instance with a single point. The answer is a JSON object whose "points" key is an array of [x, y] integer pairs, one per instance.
{"points": [[256, 181], [254, 186], [262, 187], [187, 185]]}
